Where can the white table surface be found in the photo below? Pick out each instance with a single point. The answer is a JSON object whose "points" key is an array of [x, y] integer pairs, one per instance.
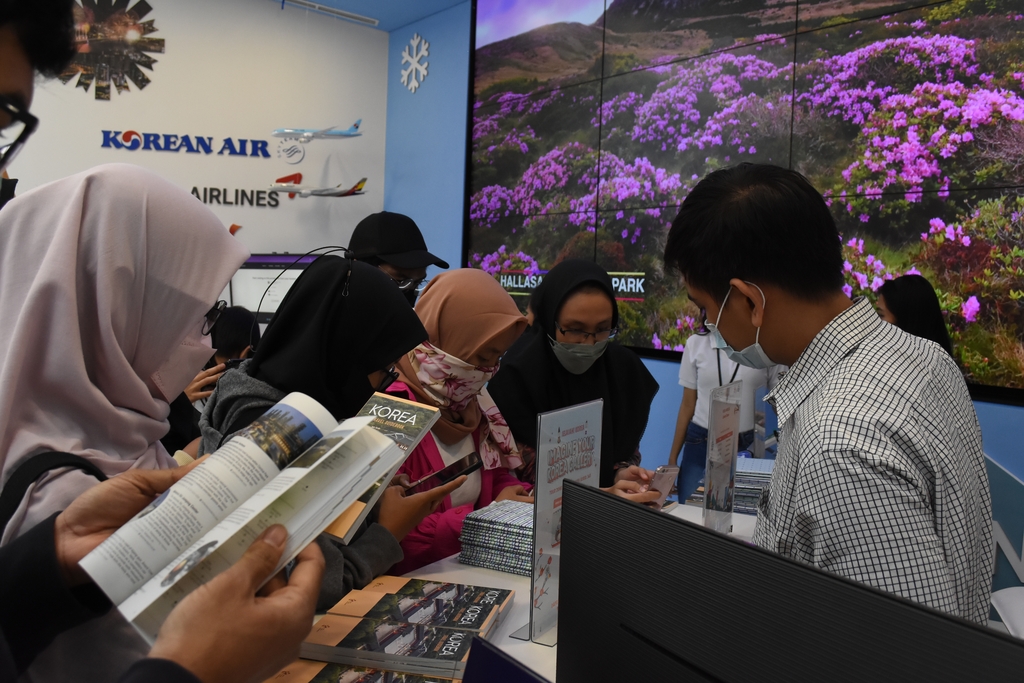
{"points": [[540, 658]]}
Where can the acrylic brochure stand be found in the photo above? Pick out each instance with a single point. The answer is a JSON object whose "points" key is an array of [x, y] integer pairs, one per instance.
{"points": [[723, 442], [568, 447]]}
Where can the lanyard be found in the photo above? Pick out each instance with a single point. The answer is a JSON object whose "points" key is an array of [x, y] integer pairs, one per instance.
{"points": [[718, 359]]}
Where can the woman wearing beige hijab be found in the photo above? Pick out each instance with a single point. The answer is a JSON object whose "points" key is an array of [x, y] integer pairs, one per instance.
{"points": [[106, 281], [471, 321]]}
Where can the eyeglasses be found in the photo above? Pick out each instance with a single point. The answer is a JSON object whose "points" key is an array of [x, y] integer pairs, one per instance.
{"points": [[582, 336], [410, 284], [213, 315], [16, 125], [390, 377]]}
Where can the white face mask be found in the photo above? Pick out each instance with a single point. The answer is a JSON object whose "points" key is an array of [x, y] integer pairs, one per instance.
{"points": [[753, 356]]}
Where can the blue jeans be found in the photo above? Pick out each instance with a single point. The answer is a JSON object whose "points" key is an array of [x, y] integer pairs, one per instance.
{"points": [[695, 455]]}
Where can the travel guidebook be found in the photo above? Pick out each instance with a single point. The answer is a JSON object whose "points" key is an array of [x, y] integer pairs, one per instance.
{"points": [[390, 645], [294, 466], [308, 671], [405, 423], [450, 605]]}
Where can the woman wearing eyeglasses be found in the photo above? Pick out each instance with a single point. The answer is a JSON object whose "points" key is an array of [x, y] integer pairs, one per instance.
{"points": [[106, 278], [335, 337], [568, 356], [471, 321]]}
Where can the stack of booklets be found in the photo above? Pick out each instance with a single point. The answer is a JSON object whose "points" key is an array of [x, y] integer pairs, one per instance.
{"points": [[752, 475], [398, 627], [499, 536], [309, 671]]}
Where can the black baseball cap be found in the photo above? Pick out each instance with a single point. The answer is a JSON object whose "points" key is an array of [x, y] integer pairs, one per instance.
{"points": [[393, 238]]}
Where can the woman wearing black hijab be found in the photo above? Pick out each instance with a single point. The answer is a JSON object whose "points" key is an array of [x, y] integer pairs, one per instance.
{"points": [[567, 357], [335, 337]]}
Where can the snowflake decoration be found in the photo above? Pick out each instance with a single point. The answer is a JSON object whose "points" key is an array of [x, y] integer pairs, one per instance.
{"points": [[413, 76], [112, 44]]}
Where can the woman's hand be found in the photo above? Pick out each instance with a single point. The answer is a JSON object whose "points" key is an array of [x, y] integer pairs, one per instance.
{"points": [[195, 390], [633, 492], [634, 473], [517, 492], [400, 513]]}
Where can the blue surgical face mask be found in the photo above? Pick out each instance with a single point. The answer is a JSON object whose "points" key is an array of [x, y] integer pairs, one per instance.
{"points": [[753, 356]]}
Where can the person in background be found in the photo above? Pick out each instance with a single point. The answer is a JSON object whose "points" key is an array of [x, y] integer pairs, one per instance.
{"points": [[471, 321], [393, 242], [246, 634], [568, 357], [335, 337], [108, 278], [909, 302], [233, 336], [703, 369], [92, 353], [880, 475]]}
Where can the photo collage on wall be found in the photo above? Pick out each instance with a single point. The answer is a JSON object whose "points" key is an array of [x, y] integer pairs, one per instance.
{"points": [[592, 121]]}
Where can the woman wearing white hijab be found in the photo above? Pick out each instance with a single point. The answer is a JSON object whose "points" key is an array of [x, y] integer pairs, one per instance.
{"points": [[105, 281]]}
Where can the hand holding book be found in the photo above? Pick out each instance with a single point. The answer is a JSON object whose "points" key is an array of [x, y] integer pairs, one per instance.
{"points": [[245, 636], [100, 511]]}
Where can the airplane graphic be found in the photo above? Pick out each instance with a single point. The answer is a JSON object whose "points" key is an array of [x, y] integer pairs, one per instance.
{"points": [[309, 191], [304, 135]]}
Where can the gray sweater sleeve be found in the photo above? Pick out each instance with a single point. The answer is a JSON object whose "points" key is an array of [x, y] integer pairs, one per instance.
{"points": [[350, 567]]}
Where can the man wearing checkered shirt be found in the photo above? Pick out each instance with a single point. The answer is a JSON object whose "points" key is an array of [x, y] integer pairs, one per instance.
{"points": [[880, 475]]}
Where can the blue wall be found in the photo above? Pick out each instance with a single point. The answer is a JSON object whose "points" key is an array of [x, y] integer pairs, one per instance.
{"points": [[425, 153]]}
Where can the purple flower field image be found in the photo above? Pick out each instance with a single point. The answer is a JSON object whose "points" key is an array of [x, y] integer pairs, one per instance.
{"points": [[591, 125]]}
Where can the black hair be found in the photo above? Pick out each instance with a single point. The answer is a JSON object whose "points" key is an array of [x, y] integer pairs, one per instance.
{"points": [[589, 287], [236, 328], [912, 300], [759, 223], [46, 31]]}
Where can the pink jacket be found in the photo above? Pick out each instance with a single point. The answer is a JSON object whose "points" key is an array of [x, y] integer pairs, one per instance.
{"points": [[437, 536]]}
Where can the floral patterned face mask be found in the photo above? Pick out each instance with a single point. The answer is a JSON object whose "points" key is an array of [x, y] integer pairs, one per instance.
{"points": [[450, 381], [453, 384]]}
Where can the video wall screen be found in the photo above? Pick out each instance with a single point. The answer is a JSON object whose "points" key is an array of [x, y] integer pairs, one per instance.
{"points": [[592, 120]]}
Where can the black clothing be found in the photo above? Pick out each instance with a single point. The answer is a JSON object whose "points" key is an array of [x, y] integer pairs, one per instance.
{"points": [[7, 187], [339, 322], [184, 419], [36, 606], [531, 380]]}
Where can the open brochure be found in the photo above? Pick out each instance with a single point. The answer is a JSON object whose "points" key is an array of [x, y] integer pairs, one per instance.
{"points": [[293, 466], [405, 423]]}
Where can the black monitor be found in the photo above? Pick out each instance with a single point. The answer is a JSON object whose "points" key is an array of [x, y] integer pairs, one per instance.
{"points": [[487, 663], [252, 282], [644, 596]]}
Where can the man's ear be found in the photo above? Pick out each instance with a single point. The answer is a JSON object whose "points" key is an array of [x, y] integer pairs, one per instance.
{"points": [[245, 352], [755, 300]]}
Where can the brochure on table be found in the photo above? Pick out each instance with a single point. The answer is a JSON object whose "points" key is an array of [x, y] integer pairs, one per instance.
{"points": [[568, 447], [720, 468]]}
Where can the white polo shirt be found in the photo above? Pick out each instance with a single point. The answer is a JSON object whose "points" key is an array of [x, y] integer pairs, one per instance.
{"points": [[700, 370]]}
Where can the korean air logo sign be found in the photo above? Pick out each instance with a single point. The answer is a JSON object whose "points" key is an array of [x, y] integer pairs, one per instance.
{"points": [[134, 141], [130, 140]]}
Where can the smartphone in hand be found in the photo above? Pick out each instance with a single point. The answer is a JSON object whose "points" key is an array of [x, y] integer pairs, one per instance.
{"points": [[662, 481], [471, 463]]}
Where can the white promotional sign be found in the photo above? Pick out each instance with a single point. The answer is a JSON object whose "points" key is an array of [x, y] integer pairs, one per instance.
{"points": [[568, 447], [723, 442]]}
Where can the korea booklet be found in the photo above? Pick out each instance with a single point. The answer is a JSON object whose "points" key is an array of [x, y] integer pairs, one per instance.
{"points": [[294, 466]]}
